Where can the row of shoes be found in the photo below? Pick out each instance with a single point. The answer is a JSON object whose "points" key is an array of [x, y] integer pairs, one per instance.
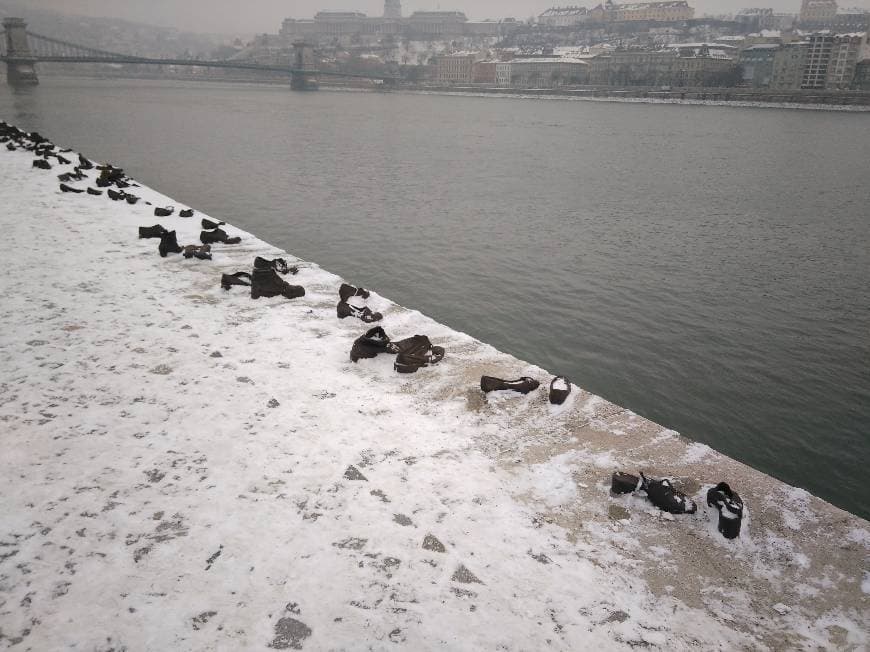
{"points": [[346, 309], [14, 139], [663, 495], [109, 174], [560, 386], [264, 280]]}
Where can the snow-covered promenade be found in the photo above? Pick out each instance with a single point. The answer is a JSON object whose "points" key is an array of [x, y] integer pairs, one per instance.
{"points": [[185, 468]]}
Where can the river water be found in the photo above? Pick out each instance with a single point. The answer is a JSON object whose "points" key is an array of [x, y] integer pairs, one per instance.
{"points": [[706, 267]]}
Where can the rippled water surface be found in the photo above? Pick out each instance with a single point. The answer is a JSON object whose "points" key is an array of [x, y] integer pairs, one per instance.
{"points": [[707, 267]]}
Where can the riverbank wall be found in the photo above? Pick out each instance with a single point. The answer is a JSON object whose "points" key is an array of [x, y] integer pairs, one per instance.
{"points": [[188, 468], [714, 95], [817, 99]]}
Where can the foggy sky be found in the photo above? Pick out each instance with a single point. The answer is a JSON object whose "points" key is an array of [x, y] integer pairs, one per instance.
{"points": [[257, 16]]}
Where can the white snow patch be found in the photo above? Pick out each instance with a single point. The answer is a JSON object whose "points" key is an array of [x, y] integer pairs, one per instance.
{"points": [[696, 452]]}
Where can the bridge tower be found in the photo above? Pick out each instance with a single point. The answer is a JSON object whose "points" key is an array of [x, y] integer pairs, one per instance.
{"points": [[302, 60], [20, 64]]}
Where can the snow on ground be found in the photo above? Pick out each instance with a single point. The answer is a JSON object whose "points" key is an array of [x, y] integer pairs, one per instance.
{"points": [[187, 468]]}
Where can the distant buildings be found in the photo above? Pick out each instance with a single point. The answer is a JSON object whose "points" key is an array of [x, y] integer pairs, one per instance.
{"points": [[611, 12], [756, 19], [789, 63], [392, 9], [817, 13], [455, 68], [610, 44], [757, 64], [671, 10], [832, 59], [862, 76], [564, 16], [825, 14], [351, 27], [541, 72]]}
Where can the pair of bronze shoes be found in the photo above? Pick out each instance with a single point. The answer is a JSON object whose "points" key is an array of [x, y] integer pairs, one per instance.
{"points": [[412, 353], [560, 387], [660, 493], [344, 309], [202, 252]]}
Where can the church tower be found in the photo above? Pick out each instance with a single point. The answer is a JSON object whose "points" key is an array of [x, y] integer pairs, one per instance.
{"points": [[392, 8]]}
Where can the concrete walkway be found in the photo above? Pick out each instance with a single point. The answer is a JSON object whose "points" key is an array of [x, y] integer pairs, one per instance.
{"points": [[186, 468]]}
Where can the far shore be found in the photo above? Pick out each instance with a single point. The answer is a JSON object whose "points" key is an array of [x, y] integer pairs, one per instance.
{"points": [[745, 97]]}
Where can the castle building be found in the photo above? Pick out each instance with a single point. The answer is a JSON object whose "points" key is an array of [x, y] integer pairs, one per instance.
{"points": [[353, 26], [669, 10], [392, 9], [564, 16], [818, 13]]}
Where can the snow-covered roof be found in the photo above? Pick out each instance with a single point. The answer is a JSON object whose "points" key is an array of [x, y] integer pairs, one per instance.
{"points": [[550, 60], [718, 46], [558, 12], [640, 6]]}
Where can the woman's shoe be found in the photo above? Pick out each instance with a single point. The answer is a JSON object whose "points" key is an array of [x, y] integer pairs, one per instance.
{"points": [[625, 483], [662, 494], [239, 278], [202, 252], [522, 385], [730, 508], [207, 225], [560, 388]]}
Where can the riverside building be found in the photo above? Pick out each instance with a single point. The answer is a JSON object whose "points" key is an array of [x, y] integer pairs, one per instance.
{"points": [[832, 59], [541, 72]]}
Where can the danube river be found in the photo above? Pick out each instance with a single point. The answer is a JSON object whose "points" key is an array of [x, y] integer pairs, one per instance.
{"points": [[706, 267]]}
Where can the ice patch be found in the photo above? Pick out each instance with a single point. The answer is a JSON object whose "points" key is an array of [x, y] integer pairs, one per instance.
{"points": [[696, 452], [604, 460], [859, 536]]}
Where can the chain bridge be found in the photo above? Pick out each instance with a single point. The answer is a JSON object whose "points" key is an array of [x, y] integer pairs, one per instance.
{"points": [[21, 50]]}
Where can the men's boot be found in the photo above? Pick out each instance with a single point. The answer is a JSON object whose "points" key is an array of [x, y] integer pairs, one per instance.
{"points": [[155, 231], [218, 235], [168, 244], [267, 283], [346, 291], [278, 264]]}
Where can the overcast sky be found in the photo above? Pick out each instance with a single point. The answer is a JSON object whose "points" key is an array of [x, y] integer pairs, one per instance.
{"points": [[254, 16]]}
